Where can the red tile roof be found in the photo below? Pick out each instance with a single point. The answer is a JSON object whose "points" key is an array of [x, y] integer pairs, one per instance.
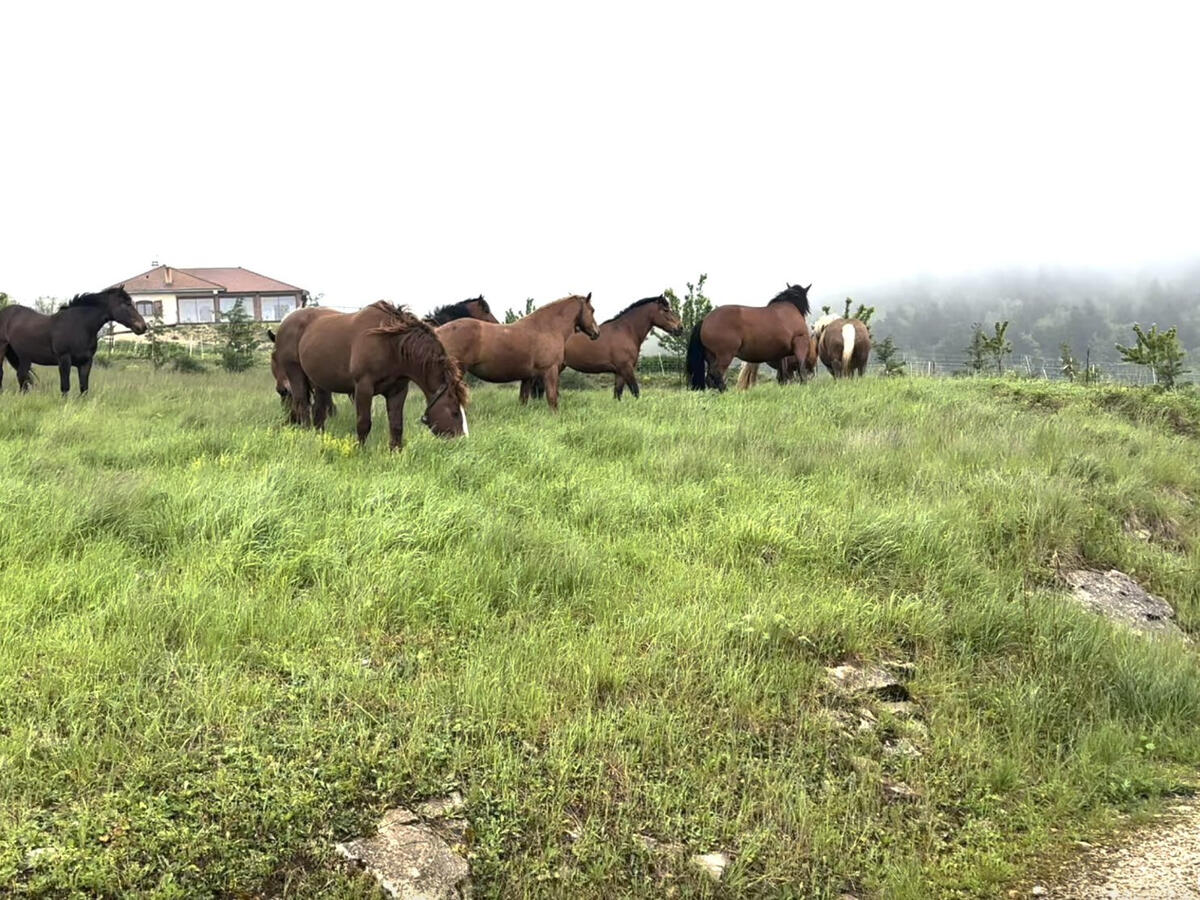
{"points": [[183, 281]]}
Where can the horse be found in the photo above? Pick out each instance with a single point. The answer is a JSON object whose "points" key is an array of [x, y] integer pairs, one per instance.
{"points": [[843, 345], [533, 345], [67, 338], [475, 308], [620, 342], [754, 334], [377, 350], [287, 346]]}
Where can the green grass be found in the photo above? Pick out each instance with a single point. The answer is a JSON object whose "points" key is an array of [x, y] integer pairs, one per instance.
{"points": [[225, 643]]}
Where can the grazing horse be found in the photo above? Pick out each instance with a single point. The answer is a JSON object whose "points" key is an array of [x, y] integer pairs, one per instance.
{"points": [[377, 350], [843, 345], [287, 346], [475, 308], [67, 338], [753, 334], [533, 345], [620, 342]]}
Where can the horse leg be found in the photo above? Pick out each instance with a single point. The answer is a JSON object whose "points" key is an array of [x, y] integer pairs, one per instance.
{"points": [[64, 374], [24, 375], [85, 370], [395, 413], [3, 355], [301, 391], [716, 371], [630, 376], [551, 378], [618, 386], [320, 407], [363, 395], [526, 387]]}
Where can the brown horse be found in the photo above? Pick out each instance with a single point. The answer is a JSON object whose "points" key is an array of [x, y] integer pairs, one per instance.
{"points": [[67, 338], [475, 308], [377, 350], [843, 345], [531, 346], [287, 347], [620, 342], [754, 334]]}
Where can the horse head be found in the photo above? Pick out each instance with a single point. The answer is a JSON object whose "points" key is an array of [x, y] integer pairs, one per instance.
{"points": [[121, 309], [480, 310], [666, 318], [586, 320]]}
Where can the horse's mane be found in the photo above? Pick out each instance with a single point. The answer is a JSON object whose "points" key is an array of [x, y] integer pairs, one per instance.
{"points": [[452, 311], [96, 299], [632, 306], [419, 344], [822, 323], [794, 294]]}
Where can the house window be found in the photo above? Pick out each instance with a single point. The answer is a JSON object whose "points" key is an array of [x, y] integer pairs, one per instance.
{"points": [[228, 303], [199, 309], [145, 308], [275, 308]]}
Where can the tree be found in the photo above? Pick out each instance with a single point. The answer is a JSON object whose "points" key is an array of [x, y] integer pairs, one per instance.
{"points": [[863, 313], [240, 340], [886, 352], [4, 301], [47, 306], [511, 315], [977, 349], [998, 346], [692, 310], [158, 350], [1160, 351], [1069, 364]]}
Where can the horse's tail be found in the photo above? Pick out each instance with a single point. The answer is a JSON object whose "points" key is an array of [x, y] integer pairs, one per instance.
{"points": [[695, 359], [847, 346], [748, 377]]}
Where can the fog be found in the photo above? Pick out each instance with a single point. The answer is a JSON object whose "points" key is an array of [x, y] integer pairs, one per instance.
{"points": [[425, 154]]}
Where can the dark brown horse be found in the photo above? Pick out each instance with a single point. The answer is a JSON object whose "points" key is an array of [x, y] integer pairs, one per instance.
{"points": [[531, 346], [843, 345], [377, 350], [67, 338], [475, 308], [619, 344], [287, 346], [754, 334]]}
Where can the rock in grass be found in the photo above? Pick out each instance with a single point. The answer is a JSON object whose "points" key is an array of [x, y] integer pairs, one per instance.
{"points": [[1119, 598], [899, 792], [711, 864], [867, 679], [409, 860], [442, 807]]}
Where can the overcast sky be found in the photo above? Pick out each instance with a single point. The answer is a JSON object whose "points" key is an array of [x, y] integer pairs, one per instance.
{"points": [[428, 152]]}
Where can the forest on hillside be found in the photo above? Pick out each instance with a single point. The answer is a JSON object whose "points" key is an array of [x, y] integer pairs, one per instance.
{"points": [[934, 318]]}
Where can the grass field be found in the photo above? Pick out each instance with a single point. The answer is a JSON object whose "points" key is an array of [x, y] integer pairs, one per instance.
{"points": [[226, 644]]}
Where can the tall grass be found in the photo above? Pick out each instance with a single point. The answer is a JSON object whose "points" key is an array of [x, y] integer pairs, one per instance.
{"points": [[225, 643]]}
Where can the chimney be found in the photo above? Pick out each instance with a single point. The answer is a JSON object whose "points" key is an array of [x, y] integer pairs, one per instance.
{"points": [[167, 277]]}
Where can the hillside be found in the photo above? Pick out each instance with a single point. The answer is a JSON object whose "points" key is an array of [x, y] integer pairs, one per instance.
{"points": [[226, 644]]}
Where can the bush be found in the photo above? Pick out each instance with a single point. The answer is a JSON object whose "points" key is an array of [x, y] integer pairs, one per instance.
{"points": [[240, 339]]}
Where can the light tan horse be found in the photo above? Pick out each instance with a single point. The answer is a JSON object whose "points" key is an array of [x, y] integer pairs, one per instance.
{"points": [[531, 346], [753, 334], [377, 350], [843, 345]]}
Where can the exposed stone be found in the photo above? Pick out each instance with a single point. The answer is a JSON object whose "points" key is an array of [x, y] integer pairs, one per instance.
{"points": [[898, 792], [867, 679], [902, 747], [441, 807], [409, 860], [1118, 597], [653, 845], [1038, 891], [38, 855], [711, 864]]}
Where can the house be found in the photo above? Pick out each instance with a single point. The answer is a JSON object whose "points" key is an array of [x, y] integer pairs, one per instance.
{"points": [[194, 296]]}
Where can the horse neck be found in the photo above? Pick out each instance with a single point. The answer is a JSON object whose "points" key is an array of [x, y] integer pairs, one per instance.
{"points": [[638, 321], [562, 314], [90, 317]]}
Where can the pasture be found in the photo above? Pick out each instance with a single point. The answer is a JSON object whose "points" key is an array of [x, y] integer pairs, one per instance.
{"points": [[226, 643]]}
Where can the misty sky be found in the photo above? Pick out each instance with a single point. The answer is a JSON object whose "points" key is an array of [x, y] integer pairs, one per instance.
{"points": [[425, 153]]}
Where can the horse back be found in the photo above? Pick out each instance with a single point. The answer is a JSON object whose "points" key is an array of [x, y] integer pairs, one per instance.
{"points": [[753, 333]]}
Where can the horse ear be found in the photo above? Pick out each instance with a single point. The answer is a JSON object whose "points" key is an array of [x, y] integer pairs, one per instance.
{"points": [[806, 289], [589, 297], [788, 283]]}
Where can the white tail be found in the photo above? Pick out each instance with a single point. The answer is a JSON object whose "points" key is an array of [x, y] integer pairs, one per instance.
{"points": [[847, 347], [748, 377]]}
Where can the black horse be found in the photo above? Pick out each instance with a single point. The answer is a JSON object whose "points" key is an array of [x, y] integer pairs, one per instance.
{"points": [[67, 338]]}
